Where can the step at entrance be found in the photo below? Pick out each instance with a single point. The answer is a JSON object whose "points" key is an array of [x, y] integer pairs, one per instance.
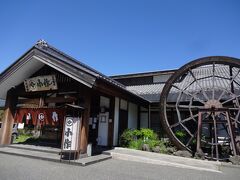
{"points": [[36, 148], [49, 154]]}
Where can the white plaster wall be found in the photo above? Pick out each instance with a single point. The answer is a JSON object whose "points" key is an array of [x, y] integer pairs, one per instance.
{"points": [[132, 115], [116, 121]]}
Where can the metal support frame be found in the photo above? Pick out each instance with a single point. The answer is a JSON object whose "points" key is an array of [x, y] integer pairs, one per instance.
{"points": [[215, 144]]}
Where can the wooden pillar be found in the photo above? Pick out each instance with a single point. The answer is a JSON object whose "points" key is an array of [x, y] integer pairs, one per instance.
{"points": [[8, 118], [85, 123], [111, 124]]}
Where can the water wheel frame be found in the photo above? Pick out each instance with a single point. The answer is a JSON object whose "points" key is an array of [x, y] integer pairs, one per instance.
{"points": [[188, 68]]}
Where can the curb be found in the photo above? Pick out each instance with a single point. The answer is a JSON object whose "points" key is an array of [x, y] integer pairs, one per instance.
{"points": [[30, 156], [96, 161], [224, 164], [75, 163], [218, 165], [158, 162], [34, 149], [141, 157]]}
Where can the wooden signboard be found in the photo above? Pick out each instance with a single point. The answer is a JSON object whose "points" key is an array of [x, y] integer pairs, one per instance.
{"points": [[71, 134], [41, 83]]}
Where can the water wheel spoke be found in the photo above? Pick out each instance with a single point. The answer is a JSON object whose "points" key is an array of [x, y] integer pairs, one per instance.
{"points": [[190, 106], [221, 77], [189, 94], [189, 118], [213, 82], [233, 108], [235, 120], [190, 140], [175, 125], [187, 130], [229, 84], [231, 99], [236, 82], [184, 120], [196, 80]]}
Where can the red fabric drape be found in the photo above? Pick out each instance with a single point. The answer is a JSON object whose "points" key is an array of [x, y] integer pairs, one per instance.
{"points": [[55, 116], [45, 116]]}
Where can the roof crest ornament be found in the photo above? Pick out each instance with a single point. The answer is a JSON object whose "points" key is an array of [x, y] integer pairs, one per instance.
{"points": [[42, 43]]}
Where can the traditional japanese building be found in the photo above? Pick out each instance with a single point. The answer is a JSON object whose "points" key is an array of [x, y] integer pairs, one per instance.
{"points": [[44, 86], [72, 105], [148, 85]]}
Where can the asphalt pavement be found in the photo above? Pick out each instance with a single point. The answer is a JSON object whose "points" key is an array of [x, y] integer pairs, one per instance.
{"points": [[21, 168]]}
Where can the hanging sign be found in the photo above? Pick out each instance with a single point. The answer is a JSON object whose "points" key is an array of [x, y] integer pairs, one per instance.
{"points": [[71, 134], [41, 83]]}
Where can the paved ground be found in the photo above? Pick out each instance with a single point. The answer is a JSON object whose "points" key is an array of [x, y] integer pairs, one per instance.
{"points": [[49, 154], [162, 159], [20, 168]]}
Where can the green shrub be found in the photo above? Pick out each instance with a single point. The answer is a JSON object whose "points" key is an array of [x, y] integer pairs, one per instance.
{"points": [[22, 138], [134, 139], [144, 134], [136, 144], [23, 135], [148, 134], [126, 138], [181, 135], [163, 147], [152, 143]]}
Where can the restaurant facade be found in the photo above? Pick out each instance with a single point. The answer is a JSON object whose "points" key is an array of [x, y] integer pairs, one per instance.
{"points": [[50, 92], [71, 105]]}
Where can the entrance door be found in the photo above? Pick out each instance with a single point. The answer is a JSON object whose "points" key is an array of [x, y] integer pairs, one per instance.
{"points": [[123, 121], [103, 129]]}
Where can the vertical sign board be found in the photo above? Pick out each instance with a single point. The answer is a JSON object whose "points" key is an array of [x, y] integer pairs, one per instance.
{"points": [[71, 134]]}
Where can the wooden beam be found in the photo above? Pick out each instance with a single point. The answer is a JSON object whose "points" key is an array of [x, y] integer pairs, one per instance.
{"points": [[29, 101], [111, 124], [48, 100], [85, 122], [67, 86], [60, 100], [8, 118]]}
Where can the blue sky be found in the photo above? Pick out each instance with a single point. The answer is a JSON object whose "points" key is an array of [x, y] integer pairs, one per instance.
{"points": [[124, 36]]}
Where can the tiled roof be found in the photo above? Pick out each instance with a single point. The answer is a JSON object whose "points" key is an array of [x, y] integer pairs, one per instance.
{"points": [[47, 54], [75, 63], [152, 92], [207, 83]]}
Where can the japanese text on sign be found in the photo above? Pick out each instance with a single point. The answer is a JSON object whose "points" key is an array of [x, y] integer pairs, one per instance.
{"points": [[71, 134], [41, 83]]}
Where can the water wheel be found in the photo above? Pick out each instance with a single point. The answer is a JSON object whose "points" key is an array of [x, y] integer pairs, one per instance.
{"points": [[203, 84]]}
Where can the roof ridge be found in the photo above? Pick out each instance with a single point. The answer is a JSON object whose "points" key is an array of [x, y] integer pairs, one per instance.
{"points": [[44, 45]]}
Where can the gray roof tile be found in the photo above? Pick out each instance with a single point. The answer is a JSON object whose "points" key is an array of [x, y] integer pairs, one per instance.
{"points": [[152, 92]]}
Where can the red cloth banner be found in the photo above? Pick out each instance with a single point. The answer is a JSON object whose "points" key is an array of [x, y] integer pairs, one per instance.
{"points": [[41, 116]]}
